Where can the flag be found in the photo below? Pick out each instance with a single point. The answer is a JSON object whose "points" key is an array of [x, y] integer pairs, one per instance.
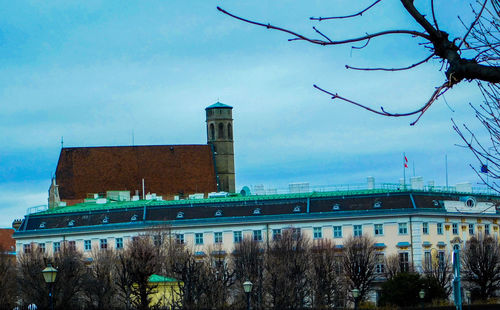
{"points": [[406, 161], [484, 168]]}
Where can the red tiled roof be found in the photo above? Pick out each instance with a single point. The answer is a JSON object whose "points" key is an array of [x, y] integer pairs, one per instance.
{"points": [[7, 243], [167, 170]]}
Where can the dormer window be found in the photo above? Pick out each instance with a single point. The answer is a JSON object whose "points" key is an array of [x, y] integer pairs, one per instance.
{"points": [[105, 220], [377, 204], [42, 225], [133, 218], [180, 215], [296, 209], [336, 207], [71, 223], [435, 203], [256, 211], [218, 213]]}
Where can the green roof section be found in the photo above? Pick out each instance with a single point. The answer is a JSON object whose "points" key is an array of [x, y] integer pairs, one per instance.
{"points": [[112, 205], [219, 105], [154, 278]]}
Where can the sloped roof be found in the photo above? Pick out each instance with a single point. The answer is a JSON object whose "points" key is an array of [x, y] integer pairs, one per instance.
{"points": [[219, 105], [166, 169]]}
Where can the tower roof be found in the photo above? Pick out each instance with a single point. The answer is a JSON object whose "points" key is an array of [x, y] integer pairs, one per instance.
{"points": [[219, 105]]}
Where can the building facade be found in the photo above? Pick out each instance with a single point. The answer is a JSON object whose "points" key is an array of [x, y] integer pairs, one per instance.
{"points": [[410, 223]]}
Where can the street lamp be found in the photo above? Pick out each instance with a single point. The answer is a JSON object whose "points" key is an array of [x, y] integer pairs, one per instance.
{"points": [[355, 295], [422, 296], [247, 287], [49, 275]]}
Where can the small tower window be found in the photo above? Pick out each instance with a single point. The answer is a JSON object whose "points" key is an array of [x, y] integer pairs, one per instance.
{"points": [[296, 209], [212, 132], [180, 215], [218, 213], [42, 225], [105, 220], [256, 211], [71, 223], [229, 131], [133, 218], [220, 133]]}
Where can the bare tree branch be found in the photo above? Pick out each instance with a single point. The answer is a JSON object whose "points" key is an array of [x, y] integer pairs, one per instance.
{"points": [[360, 13], [392, 69]]}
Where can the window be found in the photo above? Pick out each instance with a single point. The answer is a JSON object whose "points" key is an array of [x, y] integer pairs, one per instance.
{"points": [[257, 235], [103, 244], [179, 238], [220, 133], [439, 228], [198, 238], [212, 132], [379, 263], [378, 229], [218, 237], [41, 247], [157, 240], [317, 233], [337, 231], [57, 247], [358, 230], [119, 243], [72, 245], [441, 262], [486, 229], [471, 229], [404, 264], [27, 248], [229, 131], [454, 228], [87, 245], [425, 228], [427, 260], [237, 236], [403, 228], [296, 232], [276, 234]]}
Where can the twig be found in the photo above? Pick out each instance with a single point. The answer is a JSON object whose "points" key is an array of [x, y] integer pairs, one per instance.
{"points": [[473, 23], [434, 16], [321, 42], [437, 93], [391, 69], [346, 16]]}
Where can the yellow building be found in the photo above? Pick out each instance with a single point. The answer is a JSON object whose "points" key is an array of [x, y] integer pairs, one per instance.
{"points": [[166, 291]]}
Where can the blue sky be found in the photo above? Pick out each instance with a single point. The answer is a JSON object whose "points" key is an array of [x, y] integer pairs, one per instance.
{"points": [[93, 72]]}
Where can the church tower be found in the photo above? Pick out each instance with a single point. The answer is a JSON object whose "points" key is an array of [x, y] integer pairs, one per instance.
{"points": [[220, 137]]}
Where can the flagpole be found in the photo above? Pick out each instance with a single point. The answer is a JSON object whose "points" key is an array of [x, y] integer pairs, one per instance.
{"points": [[404, 170], [446, 164]]}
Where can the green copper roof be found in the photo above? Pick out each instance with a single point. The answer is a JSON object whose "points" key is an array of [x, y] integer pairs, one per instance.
{"points": [[219, 105], [154, 278]]}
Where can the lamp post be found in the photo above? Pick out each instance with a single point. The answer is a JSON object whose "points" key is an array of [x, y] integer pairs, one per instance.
{"points": [[355, 295], [247, 287], [422, 296], [49, 275]]}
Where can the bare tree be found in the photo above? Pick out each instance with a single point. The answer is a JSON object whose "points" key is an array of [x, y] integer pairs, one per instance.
{"points": [[221, 276], [287, 262], [450, 50], [248, 260], [481, 266], [190, 272], [99, 285], [135, 265], [359, 264], [71, 272], [8, 289], [31, 284], [326, 276], [440, 272]]}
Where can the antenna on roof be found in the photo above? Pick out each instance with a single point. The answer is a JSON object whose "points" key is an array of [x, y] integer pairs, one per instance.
{"points": [[62, 142], [133, 143]]}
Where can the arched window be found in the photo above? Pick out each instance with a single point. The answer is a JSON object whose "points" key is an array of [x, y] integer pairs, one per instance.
{"points": [[212, 132], [229, 131], [220, 133]]}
